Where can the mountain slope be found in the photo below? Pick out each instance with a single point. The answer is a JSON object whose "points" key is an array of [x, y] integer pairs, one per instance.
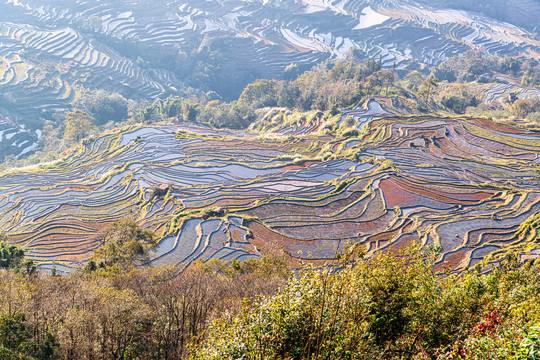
{"points": [[463, 184]]}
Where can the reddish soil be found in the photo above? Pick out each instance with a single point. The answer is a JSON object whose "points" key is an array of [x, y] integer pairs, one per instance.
{"points": [[494, 126], [236, 235], [400, 193], [303, 164], [385, 235], [268, 241], [402, 243], [451, 261]]}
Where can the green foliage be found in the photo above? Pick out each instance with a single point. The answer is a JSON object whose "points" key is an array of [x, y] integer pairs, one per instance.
{"points": [[147, 114], [103, 106], [414, 80], [172, 106], [292, 71], [267, 266], [78, 125], [338, 312], [529, 348], [459, 104], [348, 122], [214, 67], [16, 341], [391, 307], [258, 94], [531, 76], [328, 86], [531, 227], [13, 332], [428, 87], [150, 314], [471, 66], [227, 115], [190, 110], [12, 257], [350, 133], [522, 108], [334, 85], [125, 245]]}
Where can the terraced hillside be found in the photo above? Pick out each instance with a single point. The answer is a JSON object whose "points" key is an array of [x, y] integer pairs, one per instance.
{"points": [[50, 50], [279, 27], [499, 92], [87, 40], [15, 139], [390, 175], [463, 184]]}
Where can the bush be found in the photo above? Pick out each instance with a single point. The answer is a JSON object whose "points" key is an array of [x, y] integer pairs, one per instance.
{"points": [[459, 104], [522, 108], [12, 257], [103, 106], [78, 125], [125, 245], [392, 306]]}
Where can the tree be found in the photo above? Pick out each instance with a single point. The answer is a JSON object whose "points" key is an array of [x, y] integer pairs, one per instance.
{"points": [[349, 122], [388, 78], [172, 107], [182, 63], [190, 109], [16, 341], [522, 108], [414, 80], [93, 24], [341, 71], [125, 245], [292, 71], [147, 113], [444, 73], [428, 86], [374, 82], [103, 106], [227, 115], [78, 125], [259, 94], [531, 76], [370, 67], [355, 54], [511, 65], [459, 104], [287, 94], [12, 257]]}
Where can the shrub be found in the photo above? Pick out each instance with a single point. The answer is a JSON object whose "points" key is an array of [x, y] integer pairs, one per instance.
{"points": [[459, 104], [103, 106], [392, 306], [124, 245], [522, 108], [529, 348], [12, 257]]}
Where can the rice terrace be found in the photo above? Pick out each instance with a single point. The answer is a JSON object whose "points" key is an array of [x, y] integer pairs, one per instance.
{"points": [[456, 183], [269, 180]]}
